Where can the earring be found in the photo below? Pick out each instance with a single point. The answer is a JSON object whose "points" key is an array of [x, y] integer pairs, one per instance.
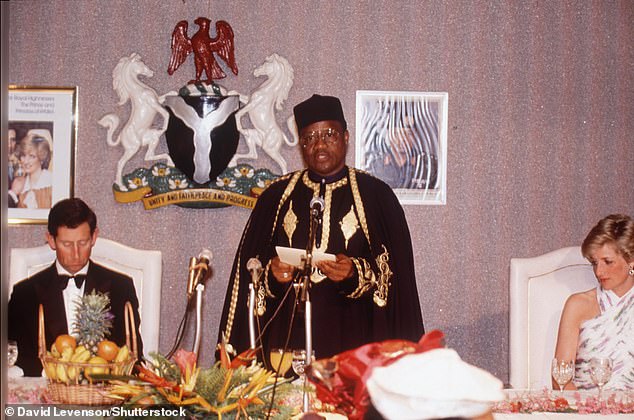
{"points": [[631, 272]]}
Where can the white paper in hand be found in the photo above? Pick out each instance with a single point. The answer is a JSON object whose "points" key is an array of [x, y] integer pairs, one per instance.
{"points": [[294, 256]]}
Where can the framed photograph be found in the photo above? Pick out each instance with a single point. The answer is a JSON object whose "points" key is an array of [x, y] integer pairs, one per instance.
{"points": [[42, 132], [401, 138]]}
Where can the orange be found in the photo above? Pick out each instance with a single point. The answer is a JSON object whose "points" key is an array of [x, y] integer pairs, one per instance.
{"points": [[107, 349], [63, 341]]}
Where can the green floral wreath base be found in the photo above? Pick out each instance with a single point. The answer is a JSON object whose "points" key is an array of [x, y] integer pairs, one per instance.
{"points": [[160, 180]]}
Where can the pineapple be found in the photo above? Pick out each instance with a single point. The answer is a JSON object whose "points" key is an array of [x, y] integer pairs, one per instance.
{"points": [[93, 320]]}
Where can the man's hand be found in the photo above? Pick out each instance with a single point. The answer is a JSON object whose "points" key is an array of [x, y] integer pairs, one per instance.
{"points": [[338, 270], [281, 271]]}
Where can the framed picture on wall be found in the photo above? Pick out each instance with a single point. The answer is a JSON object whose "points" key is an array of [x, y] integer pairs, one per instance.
{"points": [[42, 127], [401, 138]]}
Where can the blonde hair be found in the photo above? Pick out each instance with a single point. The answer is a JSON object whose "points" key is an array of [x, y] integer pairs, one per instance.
{"points": [[615, 229]]}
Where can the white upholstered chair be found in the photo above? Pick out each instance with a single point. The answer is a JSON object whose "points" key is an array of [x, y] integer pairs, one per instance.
{"points": [[144, 266], [539, 288]]}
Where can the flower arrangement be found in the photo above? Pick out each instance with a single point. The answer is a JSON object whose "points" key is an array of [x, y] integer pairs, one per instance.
{"points": [[238, 388], [549, 401]]}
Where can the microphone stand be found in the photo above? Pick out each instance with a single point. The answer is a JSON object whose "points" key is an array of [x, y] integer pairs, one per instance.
{"points": [[200, 288], [194, 283], [255, 268], [251, 315], [199, 302], [305, 295]]}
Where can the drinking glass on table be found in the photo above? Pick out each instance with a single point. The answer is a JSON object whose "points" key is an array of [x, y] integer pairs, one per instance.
{"points": [[563, 371], [299, 362], [600, 372], [280, 361], [12, 352]]}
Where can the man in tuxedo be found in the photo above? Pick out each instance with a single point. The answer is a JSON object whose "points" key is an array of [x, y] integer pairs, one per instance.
{"points": [[72, 232]]}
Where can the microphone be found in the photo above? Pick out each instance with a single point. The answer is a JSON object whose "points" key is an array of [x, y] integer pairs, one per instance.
{"points": [[198, 270], [317, 204], [255, 268]]}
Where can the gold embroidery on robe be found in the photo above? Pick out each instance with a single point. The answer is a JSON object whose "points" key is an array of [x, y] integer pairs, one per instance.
{"points": [[358, 204], [325, 229], [290, 223], [366, 277], [266, 280], [234, 302], [349, 225], [316, 275], [385, 274], [260, 294], [287, 192]]}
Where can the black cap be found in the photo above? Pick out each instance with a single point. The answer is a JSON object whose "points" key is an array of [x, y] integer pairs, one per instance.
{"points": [[319, 108]]}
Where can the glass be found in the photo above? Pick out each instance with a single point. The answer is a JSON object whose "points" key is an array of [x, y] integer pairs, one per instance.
{"points": [[12, 352], [563, 371], [328, 135], [299, 362], [280, 361], [600, 372]]}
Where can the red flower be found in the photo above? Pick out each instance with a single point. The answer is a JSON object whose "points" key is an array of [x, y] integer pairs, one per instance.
{"points": [[561, 403], [516, 406], [186, 360]]}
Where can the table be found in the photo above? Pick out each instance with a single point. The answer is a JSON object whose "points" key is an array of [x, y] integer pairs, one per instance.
{"points": [[611, 401], [561, 416], [26, 390]]}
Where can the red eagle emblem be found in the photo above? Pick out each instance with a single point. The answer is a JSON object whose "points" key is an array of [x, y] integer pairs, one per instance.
{"points": [[204, 48]]}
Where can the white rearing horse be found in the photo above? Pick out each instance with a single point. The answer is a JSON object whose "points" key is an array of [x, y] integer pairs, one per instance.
{"points": [[261, 107], [145, 104]]}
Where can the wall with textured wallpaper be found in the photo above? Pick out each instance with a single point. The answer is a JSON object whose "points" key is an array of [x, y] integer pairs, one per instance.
{"points": [[540, 146]]}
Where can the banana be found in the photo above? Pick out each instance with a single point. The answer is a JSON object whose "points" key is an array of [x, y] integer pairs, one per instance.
{"points": [[82, 356], [50, 371], [67, 353], [61, 373], [79, 349], [72, 373], [122, 354]]}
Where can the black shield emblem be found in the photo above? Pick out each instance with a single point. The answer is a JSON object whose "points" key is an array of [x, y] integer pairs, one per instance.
{"points": [[201, 134]]}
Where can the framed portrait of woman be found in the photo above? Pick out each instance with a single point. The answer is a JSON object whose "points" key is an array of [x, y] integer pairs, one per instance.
{"points": [[401, 138], [42, 129]]}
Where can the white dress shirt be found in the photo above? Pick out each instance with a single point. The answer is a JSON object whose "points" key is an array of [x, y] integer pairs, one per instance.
{"points": [[72, 294]]}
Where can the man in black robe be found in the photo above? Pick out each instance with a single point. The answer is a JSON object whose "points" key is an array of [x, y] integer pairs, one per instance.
{"points": [[367, 294]]}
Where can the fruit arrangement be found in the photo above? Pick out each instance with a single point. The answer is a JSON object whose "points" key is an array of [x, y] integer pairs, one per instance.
{"points": [[73, 359], [74, 363]]}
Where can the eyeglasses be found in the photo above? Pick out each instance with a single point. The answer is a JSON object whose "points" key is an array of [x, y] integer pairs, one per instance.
{"points": [[328, 135]]}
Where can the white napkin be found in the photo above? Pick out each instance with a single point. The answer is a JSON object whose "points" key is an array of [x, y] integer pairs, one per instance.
{"points": [[433, 384], [15, 372]]}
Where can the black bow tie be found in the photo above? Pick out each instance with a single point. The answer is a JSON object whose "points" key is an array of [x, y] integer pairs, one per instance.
{"points": [[63, 280]]}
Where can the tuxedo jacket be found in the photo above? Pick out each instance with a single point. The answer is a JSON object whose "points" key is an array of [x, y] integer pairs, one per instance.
{"points": [[43, 288]]}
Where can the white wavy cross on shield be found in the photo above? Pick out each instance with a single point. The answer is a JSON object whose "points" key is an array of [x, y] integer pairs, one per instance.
{"points": [[212, 120]]}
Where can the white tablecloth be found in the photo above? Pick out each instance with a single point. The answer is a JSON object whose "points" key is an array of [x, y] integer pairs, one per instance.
{"points": [[562, 416], [26, 390], [573, 397]]}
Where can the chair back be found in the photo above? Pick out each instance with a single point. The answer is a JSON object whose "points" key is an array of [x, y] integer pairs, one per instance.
{"points": [[143, 266], [539, 288]]}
